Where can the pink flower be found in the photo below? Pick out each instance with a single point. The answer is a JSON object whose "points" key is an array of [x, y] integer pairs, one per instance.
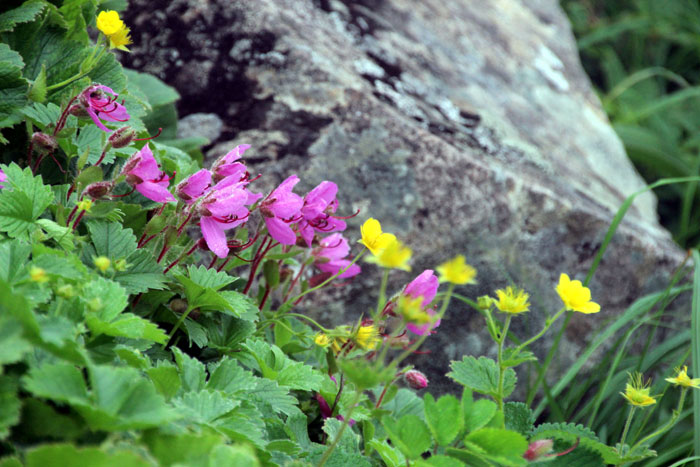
{"points": [[416, 379], [226, 166], [3, 178], [424, 286], [221, 209], [143, 173], [100, 106], [319, 205], [280, 208], [194, 186], [330, 256]]}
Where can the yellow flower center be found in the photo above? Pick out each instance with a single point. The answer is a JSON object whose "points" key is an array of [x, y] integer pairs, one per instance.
{"points": [[109, 22], [38, 274], [322, 340], [457, 271], [512, 300], [395, 256], [367, 337], [102, 263]]}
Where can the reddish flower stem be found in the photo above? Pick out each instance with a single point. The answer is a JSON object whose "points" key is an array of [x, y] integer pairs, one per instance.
{"points": [[147, 240], [213, 261], [223, 264], [72, 213], [184, 223], [64, 116], [172, 265], [162, 253], [264, 299], [30, 149], [294, 282], [101, 158], [78, 219]]}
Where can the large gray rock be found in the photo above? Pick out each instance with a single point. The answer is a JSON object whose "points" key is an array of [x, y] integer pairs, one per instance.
{"points": [[465, 127]]}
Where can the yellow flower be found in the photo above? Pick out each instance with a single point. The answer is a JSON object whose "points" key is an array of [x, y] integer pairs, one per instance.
{"points": [[367, 337], [457, 271], [109, 22], [575, 296], [114, 28], [411, 309], [322, 340], [637, 391], [85, 205], [373, 237], [395, 256], [512, 300], [38, 274], [338, 343], [102, 263], [682, 379]]}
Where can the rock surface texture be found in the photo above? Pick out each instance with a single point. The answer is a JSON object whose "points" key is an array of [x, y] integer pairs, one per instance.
{"points": [[465, 127]]}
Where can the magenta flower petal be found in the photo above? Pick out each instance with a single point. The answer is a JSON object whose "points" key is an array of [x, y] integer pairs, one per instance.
{"points": [[100, 106], [214, 236], [3, 178], [334, 247], [334, 266], [422, 329], [155, 192], [147, 167], [194, 186], [280, 231], [425, 285]]}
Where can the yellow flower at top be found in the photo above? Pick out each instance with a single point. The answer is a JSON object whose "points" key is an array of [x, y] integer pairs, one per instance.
{"points": [[322, 340], [512, 300], [682, 379], [111, 25], [575, 296], [395, 256], [457, 271], [373, 238], [637, 391], [367, 337]]}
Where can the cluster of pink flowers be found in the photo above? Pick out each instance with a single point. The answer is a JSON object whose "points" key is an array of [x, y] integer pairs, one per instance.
{"points": [[218, 198], [100, 103]]}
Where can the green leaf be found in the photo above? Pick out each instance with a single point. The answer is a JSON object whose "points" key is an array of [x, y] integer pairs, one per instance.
{"points": [[111, 239], [127, 325], [405, 402], [444, 418], [165, 378], [229, 376], [409, 434], [364, 374], [482, 376], [226, 332], [23, 201], [106, 297], [60, 382], [190, 449], [10, 56], [22, 14], [62, 455], [13, 89], [78, 14], [142, 273], [42, 115], [193, 374], [233, 455], [158, 92], [204, 298], [438, 461], [276, 365], [500, 445], [570, 432], [92, 139], [204, 406], [480, 414], [37, 90], [14, 255], [12, 344], [9, 405], [391, 456], [269, 393], [209, 277], [349, 441], [63, 236], [519, 417], [245, 423]]}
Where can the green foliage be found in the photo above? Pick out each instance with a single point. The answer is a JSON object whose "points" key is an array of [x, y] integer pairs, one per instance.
{"points": [[409, 433], [444, 418], [481, 375]]}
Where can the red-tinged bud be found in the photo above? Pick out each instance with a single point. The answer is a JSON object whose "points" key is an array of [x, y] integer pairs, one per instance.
{"points": [[319, 278], [266, 211], [202, 244], [99, 190], [78, 110], [131, 164], [43, 143], [538, 449], [178, 306], [122, 137], [416, 379], [285, 273], [399, 342]]}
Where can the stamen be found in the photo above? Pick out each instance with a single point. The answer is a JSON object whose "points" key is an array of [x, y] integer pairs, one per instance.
{"points": [[347, 217], [160, 130]]}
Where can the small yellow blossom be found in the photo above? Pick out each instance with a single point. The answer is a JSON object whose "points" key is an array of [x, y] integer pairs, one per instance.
{"points": [[85, 205], [512, 300], [395, 256], [457, 271], [338, 344], [322, 340], [114, 28], [682, 379], [38, 274], [102, 263], [575, 296], [373, 238], [411, 309], [637, 391], [367, 337]]}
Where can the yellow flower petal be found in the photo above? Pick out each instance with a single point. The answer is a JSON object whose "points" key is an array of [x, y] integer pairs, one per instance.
{"points": [[373, 237], [108, 22], [575, 296], [512, 300]]}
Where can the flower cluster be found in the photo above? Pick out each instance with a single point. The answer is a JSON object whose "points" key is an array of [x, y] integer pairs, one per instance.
{"points": [[111, 25]]}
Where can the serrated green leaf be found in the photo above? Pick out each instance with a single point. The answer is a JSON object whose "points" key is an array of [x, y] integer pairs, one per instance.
{"points": [[23, 201], [63, 236], [349, 441], [391, 456], [193, 374], [209, 277], [13, 89], [519, 417], [500, 445], [245, 423], [62, 455], [570, 432], [37, 90], [204, 406], [142, 273], [230, 377], [111, 239], [444, 417], [269, 393], [439, 461], [22, 14], [364, 374], [166, 379], [78, 14], [10, 56], [226, 332], [12, 344], [9, 405], [42, 115], [233, 455], [183, 449], [482, 376], [13, 258], [480, 414], [91, 140], [107, 298], [276, 365], [410, 434], [60, 382], [127, 325]]}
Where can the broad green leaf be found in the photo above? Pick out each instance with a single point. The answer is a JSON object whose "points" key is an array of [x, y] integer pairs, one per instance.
{"points": [[13, 258], [204, 298], [405, 402], [127, 325], [13, 346], [142, 273], [56, 263], [35, 422], [111, 239], [276, 365], [571, 432], [279, 399], [482, 376], [439, 461], [49, 48], [191, 449], [10, 56], [233, 455], [501, 445], [105, 298], [409, 434], [37, 90], [349, 441], [62, 455], [43, 115], [242, 305], [133, 357], [158, 92], [245, 423], [391, 456], [229, 376], [165, 378], [23, 201], [9, 405], [209, 277], [204, 406], [63, 236], [444, 417], [60, 382], [22, 14], [92, 139], [78, 14], [480, 414], [193, 374], [226, 332], [364, 374]]}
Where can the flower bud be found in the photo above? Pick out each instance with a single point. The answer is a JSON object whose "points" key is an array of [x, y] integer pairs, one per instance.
{"points": [[99, 190], [416, 379], [66, 291], [120, 265], [95, 304], [538, 449], [38, 274], [78, 110], [484, 302], [85, 205], [178, 305], [102, 263], [322, 340], [43, 143], [122, 137]]}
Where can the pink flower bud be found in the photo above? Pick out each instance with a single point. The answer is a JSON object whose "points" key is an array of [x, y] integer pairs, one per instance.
{"points": [[99, 190], [416, 379], [43, 143], [122, 137], [538, 449]]}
